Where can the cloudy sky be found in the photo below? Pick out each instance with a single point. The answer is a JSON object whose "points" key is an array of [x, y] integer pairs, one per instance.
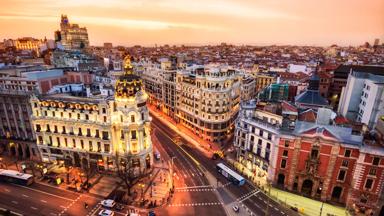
{"points": [[150, 22]]}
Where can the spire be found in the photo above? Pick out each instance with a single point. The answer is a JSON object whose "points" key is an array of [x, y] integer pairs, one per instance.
{"points": [[128, 69]]}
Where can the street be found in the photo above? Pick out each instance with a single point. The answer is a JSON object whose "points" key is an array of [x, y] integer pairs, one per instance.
{"points": [[194, 193], [187, 156]]}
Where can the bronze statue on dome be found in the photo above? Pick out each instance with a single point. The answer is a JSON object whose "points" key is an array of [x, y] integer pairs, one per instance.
{"points": [[127, 64]]}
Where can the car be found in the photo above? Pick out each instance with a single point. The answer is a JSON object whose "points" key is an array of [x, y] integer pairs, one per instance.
{"points": [[119, 207], [236, 208], [108, 203], [157, 155], [151, 213], [106, 212]]}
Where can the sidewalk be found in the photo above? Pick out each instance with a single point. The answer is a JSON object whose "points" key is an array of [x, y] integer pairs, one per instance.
{"points": [[306, 206], [204, 146]]}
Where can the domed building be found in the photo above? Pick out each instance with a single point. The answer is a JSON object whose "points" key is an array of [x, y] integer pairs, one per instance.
{"points": [[130, 120]]}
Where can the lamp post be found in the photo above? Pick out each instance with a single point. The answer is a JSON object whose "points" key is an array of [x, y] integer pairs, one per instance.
{"points": [[172, 166]]}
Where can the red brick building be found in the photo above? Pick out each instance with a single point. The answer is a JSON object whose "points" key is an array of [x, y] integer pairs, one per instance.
{"points": [[329, 163]]}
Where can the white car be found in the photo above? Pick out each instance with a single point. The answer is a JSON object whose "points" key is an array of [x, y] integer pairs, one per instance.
{"points": [[108, 203], [106, 212], [235, 208]]}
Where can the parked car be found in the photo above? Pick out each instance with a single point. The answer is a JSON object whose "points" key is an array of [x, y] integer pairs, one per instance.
{"points": [[106, 212], [236, 208], [108, 203], [119, 207], [151, 213]]}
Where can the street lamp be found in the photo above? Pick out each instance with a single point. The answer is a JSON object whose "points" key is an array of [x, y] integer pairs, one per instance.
{"points": [[172, 166]]}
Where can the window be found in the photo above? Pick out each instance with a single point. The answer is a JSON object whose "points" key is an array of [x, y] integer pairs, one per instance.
{"points": [[86, 117], [347, 153], [252, 138], [105, 118], [285, 153], [105, 135], [286, 143], [78, 115], [74, 143], [106, 148], [58, 141], [38, 128], [133, 134], [70, 115], [283, 163], [61, 114], [63, 130], [82, 144], [368, 184], [261, 133], [48, 129], [80, 132], [376, 161], [268, 146], [259, 142], [53, 113], [55, 130], [97, 133], [372, 172], [132, 118], [314, 153], [90, 146], [269, 136], [88, 132], [345, 163], [98, 147], [104, 111], [341, 175], [142, 116], [66, 142]]}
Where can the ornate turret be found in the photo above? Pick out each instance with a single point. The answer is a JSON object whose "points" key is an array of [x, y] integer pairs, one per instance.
{"points": [[129, 83]]}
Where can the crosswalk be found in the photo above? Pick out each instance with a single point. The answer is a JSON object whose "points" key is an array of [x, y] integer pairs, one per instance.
{"points": [[247, 195], [195, 204]]}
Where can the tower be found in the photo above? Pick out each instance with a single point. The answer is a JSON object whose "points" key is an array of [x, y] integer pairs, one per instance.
{"points": [[131, 122]]}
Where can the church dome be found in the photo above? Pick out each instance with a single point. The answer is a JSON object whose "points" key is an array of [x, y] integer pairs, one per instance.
{"points": [[129, 83]]}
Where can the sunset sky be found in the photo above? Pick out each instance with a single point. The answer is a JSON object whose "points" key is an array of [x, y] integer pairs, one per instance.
{"points": [[150, 22]]}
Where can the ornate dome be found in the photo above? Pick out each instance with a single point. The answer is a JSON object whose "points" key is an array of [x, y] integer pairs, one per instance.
{"points": [[129, 83]]}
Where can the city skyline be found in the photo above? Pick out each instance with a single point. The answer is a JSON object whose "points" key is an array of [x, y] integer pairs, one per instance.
{"points": [[173, 22]]}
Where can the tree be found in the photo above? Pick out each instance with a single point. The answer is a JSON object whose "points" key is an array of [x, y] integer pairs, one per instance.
{"points": [[127, 172]]}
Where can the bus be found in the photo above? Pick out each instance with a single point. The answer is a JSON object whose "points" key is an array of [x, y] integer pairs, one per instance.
{"points": [[230, 174], [13, 176]]}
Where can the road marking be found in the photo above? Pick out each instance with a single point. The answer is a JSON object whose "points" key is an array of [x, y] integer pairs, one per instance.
{"points": [[24, 195], [63, 207], [52, 214], [199, 186], [34, 208], [43, 201], [15, 202], [44, 192], [6, 190]]}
